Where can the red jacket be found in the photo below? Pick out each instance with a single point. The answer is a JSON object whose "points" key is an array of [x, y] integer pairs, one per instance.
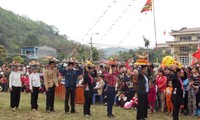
{"points": [[161, 83], [25, 80], [152, 94], [3, 80]]}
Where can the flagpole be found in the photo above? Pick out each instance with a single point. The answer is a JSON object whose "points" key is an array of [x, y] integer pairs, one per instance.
{"points": [[155, 33]]}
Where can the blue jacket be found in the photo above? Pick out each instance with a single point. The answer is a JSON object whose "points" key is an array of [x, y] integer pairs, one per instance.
{"points": [[71, 76], [185, 84]]}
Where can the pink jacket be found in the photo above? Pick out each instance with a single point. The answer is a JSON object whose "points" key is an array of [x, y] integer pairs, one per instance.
{"points": [[161, 83], [152, 94]]}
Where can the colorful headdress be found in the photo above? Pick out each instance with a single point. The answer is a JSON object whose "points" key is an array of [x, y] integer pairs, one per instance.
{"points": [[15, 63], [142, 59], [113, 61], [34, 64], [71, 60], [89, 63]]}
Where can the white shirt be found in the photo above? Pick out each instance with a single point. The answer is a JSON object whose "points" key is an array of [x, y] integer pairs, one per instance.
{"points": [[34, 80], [97, 84], [15, 78], [147, 84]]}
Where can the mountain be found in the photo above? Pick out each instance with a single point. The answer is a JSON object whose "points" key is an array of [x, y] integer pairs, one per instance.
{"points": [[18, 31], [113, 51]]}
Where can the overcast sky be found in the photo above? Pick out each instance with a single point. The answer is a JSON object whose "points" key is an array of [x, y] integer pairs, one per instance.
{"points": [[118, 22]]}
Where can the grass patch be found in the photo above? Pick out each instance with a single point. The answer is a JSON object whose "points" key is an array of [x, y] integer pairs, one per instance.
{"points": [[98, 111]]}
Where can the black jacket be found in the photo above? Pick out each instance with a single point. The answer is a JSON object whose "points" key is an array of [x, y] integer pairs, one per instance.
{"points": [[87, 81], [177, 95], [141, 84]]}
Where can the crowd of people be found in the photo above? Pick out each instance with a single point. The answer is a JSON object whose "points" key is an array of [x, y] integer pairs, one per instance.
{"points": [[148, 89]]}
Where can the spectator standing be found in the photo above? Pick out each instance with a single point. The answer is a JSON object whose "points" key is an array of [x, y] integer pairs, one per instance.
{"points": [[161, 81], [142, 91]]}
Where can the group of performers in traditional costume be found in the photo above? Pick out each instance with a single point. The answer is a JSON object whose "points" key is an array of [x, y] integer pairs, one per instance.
{"points": [[136, 85]]}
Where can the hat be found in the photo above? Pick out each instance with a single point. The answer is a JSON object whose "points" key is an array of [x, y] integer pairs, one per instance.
{"points": [[34, 67], [70, 61], [113, 62], [89, 64], [51, 59], [34, 63], [142, 59], [14, 64]]}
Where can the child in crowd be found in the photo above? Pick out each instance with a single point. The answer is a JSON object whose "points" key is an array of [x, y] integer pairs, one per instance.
{"points": [[192, 90], [25, 83], [122, 99], [168, 94], [3, 82], [151, 96]]}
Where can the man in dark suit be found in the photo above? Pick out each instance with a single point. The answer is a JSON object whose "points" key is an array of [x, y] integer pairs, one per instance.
{"points": [[142, 91]]}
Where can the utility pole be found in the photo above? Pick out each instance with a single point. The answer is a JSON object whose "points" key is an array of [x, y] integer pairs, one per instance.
{"points": [[91, 58], [91, 45]]}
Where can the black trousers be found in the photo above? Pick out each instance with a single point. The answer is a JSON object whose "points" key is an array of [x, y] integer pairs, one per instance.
{"points": [[198, 98], [50, 95], [110, 99], [87, 103], [34, 98], [70, 92], [175, 113], [142, 106], [15, 97], [186, 101]]}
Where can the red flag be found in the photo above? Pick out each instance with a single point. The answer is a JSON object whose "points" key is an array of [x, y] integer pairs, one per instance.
{"points": [[147, 6], [197, 55]]}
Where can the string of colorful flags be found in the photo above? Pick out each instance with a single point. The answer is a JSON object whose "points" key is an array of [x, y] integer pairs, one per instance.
{"points": [[93, 26], [147, 7], [132, 28], [114, 23], [99, 19]]}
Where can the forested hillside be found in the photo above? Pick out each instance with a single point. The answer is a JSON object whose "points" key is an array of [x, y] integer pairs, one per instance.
{"points": [[17, 31]]}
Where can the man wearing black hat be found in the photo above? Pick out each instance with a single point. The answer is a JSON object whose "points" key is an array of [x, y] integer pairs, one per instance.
{"points": [[71, 76], [142, 91]]}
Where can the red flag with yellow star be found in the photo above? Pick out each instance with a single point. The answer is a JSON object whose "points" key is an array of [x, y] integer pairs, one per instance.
{"points": [[147, 6]]}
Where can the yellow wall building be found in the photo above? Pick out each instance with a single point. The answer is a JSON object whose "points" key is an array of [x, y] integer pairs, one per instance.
{"points": [[185, 43]]}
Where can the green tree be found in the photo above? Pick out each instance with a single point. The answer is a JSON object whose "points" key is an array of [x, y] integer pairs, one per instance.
{"points": [[62, 56], [18, 59], [95, 54], [81, 53], [124, 56], [3, 53], [31, 40]]}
